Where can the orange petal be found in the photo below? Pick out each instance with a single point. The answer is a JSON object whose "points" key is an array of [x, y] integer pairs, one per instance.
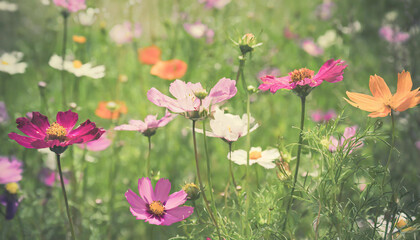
{"points": [[379, 88], [169, 70], [410, 100], [365, 102], [383, 113], [404, 84], [149, 55]]}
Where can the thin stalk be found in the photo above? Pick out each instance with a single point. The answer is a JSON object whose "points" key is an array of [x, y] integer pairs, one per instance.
{"points": [[73, 236], [63, 56], [230, 166], [208, 167], [197, 166], [148, 157], [302, 122]]}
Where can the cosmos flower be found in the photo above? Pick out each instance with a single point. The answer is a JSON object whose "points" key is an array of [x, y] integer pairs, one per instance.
{"points": [[71, 5], [320, 116], [57, 136], [382, 101], [256, 155], [149, 126], [229, 127], [331, 71], [88, 17], [8, 6], [289, 34], [186, 101], [10, 63], [110, 109], [199, 30], [51, 178], [79, 39], [309, 46], [77, 67], [10, 170], [418, 145], [393, 35], [10, 199], [324, 10], [149, 55], [4, 117], [157, 206], [345, 141], [218, 4], [125, 33], [97, 145], [169, 70], [268, 71]]}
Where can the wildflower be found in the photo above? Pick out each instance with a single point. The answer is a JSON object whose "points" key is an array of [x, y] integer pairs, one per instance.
{"points": [[125, 33], [418, 145], [111, 109], [57, 136], [156, 207], [79, 39], [199, 30], [324, 10], [320, 116], [268, 71], [77, 67], [100, 144], [218, 4], [149, 126], [303, 80], [393, 35], [229, 127], [329, 39], [10, 174], [88, 18], [382, 101], [192, 190], [50, 178], [4, 117], [187, 104], [8, 6], [309, 46], [169, 70], [347, 139], [10, 63], [71, 5], [247, 43], [256, 155], [289, 34], [149, 55]]}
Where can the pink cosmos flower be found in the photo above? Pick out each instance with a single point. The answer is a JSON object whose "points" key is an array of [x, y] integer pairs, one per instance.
{"points": [[331, 71], [393, 35], [324, 10], [309, 46], [4, 117], [269, 71], [57, 136], [149, 126], [289, 34], [186, 101], [347, 138], [156, 207], [219, 4], [10, 171], [320, 116], [125, 33], [199, 30], [51, 178], [98, 145], [71, 5]]}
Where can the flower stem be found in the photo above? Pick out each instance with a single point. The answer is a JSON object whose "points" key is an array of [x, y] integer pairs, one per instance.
{"points": [[201, 183], [208, 167], [148, 157], [63, 56], [302, 122], [230, 166], [65, 196]]}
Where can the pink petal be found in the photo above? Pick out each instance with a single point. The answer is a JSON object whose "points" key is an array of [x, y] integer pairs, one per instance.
{"points": [[83, 129], [140, 214], [223, 90], [40, 121], [154, 220], [146, 190], [22, 140], [162, 100], [166, 119], [162, 189], [135, 201], [334, 144], [177, 214], [332, 71], [30, 129], [349, 132], [176, 199], [67, 119]]}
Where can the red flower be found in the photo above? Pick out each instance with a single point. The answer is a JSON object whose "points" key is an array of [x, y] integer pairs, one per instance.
{"points": [[56, 136]]}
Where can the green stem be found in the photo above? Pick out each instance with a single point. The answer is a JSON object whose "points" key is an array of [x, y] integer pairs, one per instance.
{"points": [[148, 157], [65, 196], [302, 122], [197, 166], [63, 56], [230, 166], [208, 167]]}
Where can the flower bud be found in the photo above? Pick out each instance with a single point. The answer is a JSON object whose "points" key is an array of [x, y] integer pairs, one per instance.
{"points": [[201, 94], [192, 190]]}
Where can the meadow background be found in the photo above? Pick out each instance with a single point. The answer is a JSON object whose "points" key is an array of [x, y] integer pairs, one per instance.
{"points": [[98, 180]]}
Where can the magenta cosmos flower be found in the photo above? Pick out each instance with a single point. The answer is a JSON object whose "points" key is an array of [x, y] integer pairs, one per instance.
{"points": [[331, 71], [56, 136], [158, 207], [320, 116], [191, 99], [149, 126], [71, 5]]}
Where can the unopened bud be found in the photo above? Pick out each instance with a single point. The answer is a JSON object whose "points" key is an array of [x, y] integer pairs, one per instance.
{"points": [[252, 89], [192, 190], [42, 84], [112, 106], [201, 94]]}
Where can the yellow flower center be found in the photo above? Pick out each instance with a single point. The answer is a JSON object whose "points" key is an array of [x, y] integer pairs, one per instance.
{"points": [[301, 74], [4, 62], [77, 64], [157, 208], [254, 155], [56, 131], [12, 187], [229, 129], [402, 222]]}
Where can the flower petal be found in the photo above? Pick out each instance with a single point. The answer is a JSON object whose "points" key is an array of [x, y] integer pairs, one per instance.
{"points": [[332, 71], [239, 157], [364, 102], [146, 190], [40, 121], [176, 199], [266, 164], [161, 100], [135, 201], [162, 189], [28, 128], [379, 88], [404, 84], [177, 214], [224, 89], [140, 214], [22, 140], [67, 119]]}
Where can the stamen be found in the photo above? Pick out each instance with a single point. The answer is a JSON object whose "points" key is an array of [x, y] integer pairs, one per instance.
{"points": [[254, 155], [56, 131], [4, 62], [77, 64], [301, 74], [157, 208], [12, 188]]}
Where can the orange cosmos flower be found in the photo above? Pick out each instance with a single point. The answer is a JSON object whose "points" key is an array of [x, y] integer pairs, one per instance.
{"points": [[169, 70], [79, 39], [382, 101], [149, 55], [110, 110]]}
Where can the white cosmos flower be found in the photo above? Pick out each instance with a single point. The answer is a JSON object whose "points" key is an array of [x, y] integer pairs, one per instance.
{"points": [[256, 155], [9, 62], [7, 6], [88, 17], [229, 127], [77, 67]]}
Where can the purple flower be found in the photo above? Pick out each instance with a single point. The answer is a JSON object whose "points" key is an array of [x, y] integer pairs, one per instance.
{"points": [[149, 126], [158, 207], [97, 145], [71, 5], [4, 117], [11, 202], [186, 101], [320, 116], [345, 140], [219, 4], [309, 46], [393, 35], [331, 71], [324, 10], [10, 171], [57, 136], [125, 33]]}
